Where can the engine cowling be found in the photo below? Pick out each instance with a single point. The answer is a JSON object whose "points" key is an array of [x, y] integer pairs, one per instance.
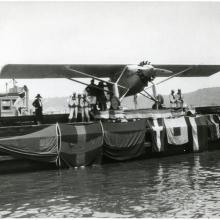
{"points": [[137, 77]]}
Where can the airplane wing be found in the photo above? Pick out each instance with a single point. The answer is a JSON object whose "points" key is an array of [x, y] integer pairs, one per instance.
{"points": [[193, 70], [37, 71]]}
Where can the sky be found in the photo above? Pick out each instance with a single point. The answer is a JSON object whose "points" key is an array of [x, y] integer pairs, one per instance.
{"points": [[109, 33]]}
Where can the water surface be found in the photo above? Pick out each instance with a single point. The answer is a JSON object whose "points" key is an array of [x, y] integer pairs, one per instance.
{"points": [[177, 186]]}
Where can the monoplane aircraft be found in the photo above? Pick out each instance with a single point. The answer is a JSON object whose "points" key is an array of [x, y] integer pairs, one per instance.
{"points": [[125, 79]]}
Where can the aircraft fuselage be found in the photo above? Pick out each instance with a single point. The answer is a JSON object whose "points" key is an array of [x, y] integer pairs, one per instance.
{"points": [[136, 77]]}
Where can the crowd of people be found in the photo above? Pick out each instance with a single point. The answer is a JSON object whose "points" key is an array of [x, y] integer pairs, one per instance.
{"points": [[22, 109], [94, 98], [176, 100], [79, 104]]}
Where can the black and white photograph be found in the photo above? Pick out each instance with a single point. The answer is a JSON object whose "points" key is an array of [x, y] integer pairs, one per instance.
{"points": [[109, 109]]}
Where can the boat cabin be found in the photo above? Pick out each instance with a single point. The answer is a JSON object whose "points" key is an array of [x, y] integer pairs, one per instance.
{"points": [[8, 99]]}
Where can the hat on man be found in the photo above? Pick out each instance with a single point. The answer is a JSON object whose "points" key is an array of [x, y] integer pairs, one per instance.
{"points": [[21, 94], [92, 80], [38, 96]]}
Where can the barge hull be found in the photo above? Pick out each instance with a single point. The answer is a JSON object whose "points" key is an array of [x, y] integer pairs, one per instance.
{"points": [[70, 145]]}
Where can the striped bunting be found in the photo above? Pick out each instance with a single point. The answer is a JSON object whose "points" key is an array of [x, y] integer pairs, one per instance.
{"points": [[198, 128], [212, 122], [215, 122]]}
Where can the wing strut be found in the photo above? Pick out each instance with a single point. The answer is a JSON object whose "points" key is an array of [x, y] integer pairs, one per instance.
{"points": [[122, 73], [75, 80], [91, 76], [148, 97], [124, 95], [176, 74], [115, 85]]}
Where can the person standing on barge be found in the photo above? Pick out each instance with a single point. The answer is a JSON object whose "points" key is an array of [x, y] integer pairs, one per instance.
{"points": [[172, 99], [20, 104], [81, 108], [179, 99], [73, 107], [37, 103], [86, 107], [92, 94], [101, 98]]}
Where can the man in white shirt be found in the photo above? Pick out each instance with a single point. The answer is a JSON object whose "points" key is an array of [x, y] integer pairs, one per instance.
{"points": [[86, 106], [172, 99], [73, 107], [179, 99], [20, 104]]}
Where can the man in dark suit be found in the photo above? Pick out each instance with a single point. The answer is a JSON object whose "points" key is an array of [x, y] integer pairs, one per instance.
{"points": [[91, 90], [38, 108]]}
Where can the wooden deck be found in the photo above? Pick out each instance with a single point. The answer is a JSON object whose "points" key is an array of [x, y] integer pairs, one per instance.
{"points": [[30, 120]]}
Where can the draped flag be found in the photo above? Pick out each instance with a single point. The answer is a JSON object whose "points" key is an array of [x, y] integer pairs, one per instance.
{"points": [[125, 140], [157, 131], [199, 134], [213, 124], [81, 145], [41, 145], [177, 131]]}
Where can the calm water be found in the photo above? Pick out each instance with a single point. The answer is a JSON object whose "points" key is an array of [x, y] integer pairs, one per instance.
{"points": [[179, 186]]}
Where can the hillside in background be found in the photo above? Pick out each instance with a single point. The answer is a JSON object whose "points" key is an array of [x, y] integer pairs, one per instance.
{"points": [[201, 97]]}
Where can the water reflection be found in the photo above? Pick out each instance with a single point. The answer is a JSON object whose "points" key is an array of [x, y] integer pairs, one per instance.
{"points": [[178, 186]]}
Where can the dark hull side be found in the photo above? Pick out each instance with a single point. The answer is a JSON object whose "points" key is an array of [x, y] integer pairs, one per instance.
{"points": [[11, 127], [9, 164]]}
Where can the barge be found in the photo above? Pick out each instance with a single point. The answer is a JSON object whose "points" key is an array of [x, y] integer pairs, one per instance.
{"points": [[25, 146], [114, 135]]}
